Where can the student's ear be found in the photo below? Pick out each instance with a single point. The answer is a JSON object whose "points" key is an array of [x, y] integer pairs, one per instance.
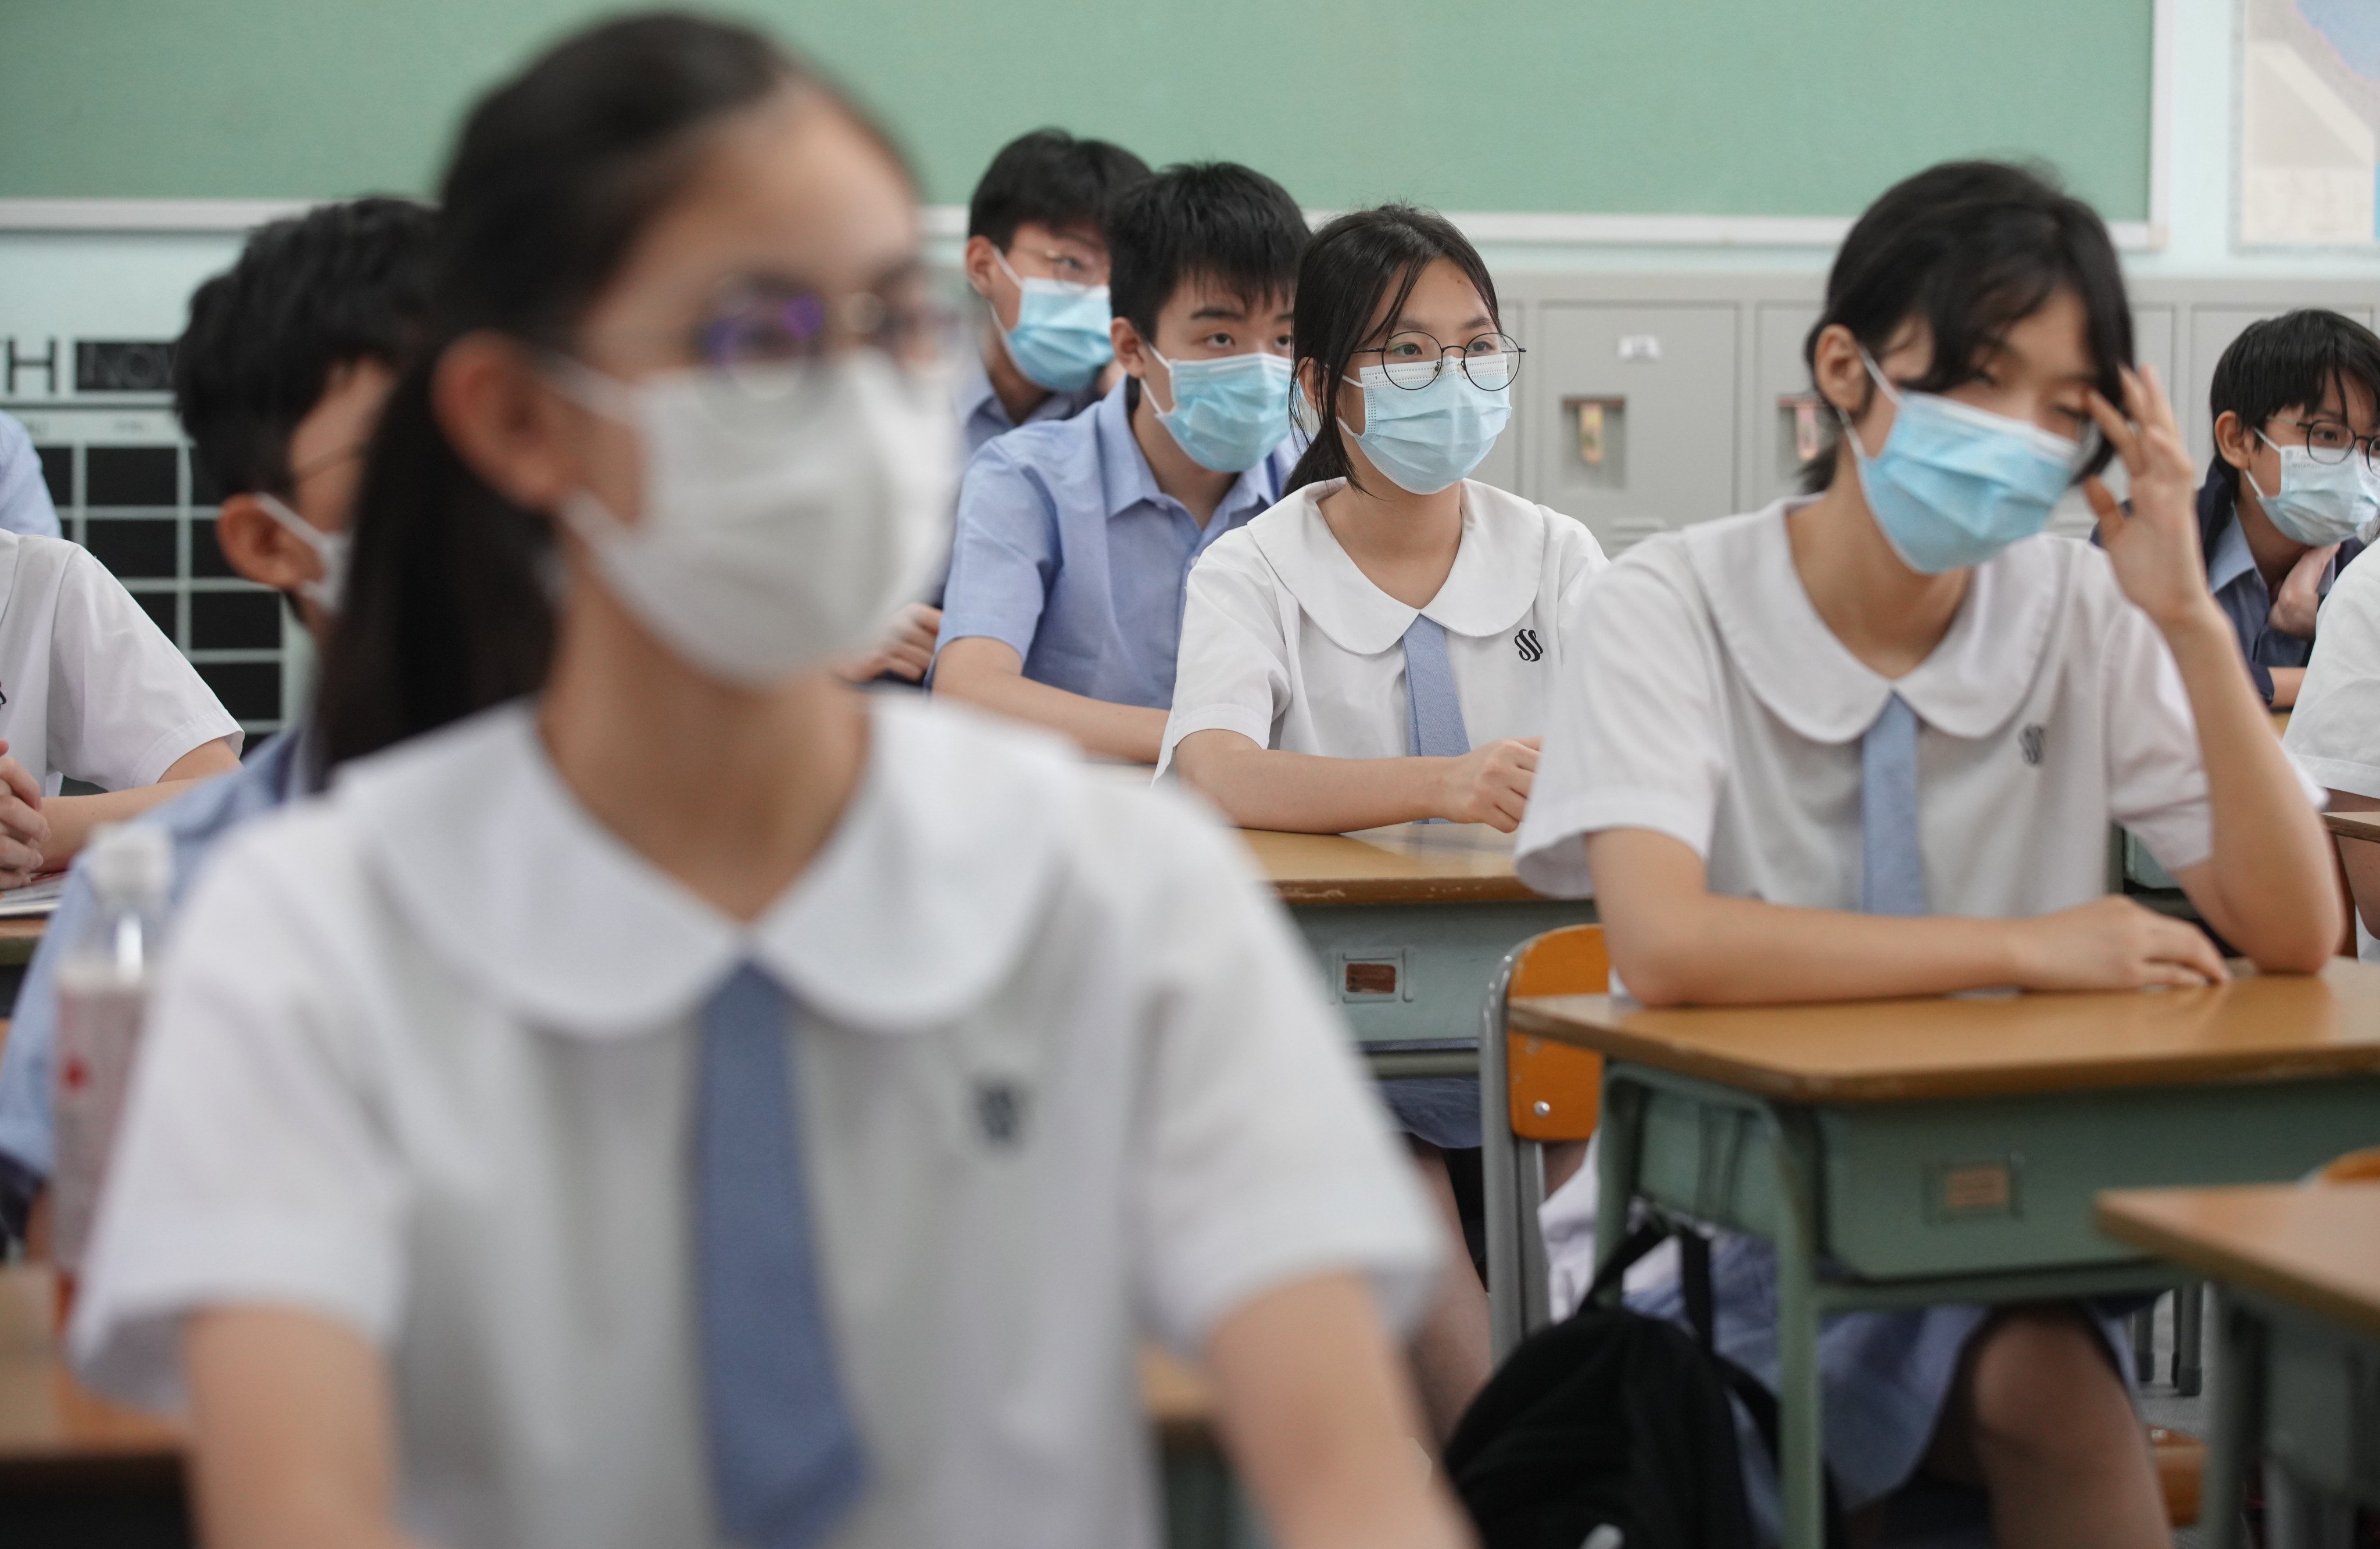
{"points": [[1131, 350], [260, 548], [1839, 373], [2234, 442], [979, 262], [504, 421]]}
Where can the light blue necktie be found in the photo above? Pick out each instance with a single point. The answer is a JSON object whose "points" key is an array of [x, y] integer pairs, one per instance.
{"points": [[1434, 726], [786, 1460], [1892, 865]]}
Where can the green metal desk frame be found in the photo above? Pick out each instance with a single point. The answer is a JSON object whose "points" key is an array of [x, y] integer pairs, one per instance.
{"points": [[1443, 954], [1884, 1205], [2304, 1393]]}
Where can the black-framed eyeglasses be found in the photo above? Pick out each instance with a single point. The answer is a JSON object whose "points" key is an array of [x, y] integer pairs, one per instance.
{"points": [[2332, 445], [1414, 360]]}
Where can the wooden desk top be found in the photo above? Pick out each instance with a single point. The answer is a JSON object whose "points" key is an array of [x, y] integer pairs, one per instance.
{"points": [[2313, 1246], [1410, 862], [2353, 825], [46, 1418], [2252, 1029]]}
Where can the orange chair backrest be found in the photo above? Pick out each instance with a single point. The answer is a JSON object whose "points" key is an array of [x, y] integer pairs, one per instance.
{"points": [[2356, 1167], [1556, 1089]]}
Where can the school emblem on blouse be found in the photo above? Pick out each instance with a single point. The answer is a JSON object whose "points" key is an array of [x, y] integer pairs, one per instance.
{"points": [[1000, 1111], [2032, 741], [1527, 641]]}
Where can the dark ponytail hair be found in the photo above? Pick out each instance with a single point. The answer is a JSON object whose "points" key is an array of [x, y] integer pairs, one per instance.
{"points": [[1349, 265], [556, 174], [1972, 249]]}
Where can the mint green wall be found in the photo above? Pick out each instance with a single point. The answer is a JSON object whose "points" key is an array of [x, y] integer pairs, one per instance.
{"points": [[1783, 107]]}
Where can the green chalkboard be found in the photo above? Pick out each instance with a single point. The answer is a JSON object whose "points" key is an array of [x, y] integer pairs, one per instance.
{"points": [[1702, 107]]}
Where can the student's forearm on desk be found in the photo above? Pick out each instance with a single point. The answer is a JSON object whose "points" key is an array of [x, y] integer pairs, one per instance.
{"points": [[990, 673], [1674, 943], [72, 818], [1299, 793], [2268, 886], [2286, 683]]}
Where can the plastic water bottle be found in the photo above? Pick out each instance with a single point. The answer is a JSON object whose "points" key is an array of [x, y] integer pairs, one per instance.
{"points": [[102, 984]]}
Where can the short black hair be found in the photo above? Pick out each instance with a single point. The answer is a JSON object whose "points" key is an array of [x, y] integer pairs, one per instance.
{"points": [[1215, 219], [1972, 249], [1050, 179], [2289, 362], [340, 284]]}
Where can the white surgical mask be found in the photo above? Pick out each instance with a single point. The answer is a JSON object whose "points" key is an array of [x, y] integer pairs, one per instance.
{"points": [[787, 513], [331, 547], [2319, 503]]}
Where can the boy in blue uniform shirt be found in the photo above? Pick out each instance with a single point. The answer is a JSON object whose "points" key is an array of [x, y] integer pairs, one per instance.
{"points": [[1075, 538], [279, 381], [1037, 252], [2292, 486]]}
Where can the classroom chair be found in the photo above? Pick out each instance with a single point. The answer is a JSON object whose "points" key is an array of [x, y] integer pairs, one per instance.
{"points": [[1533, 1093]]}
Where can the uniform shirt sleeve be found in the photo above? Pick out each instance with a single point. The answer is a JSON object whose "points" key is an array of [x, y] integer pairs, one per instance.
{"points": [[1004, 555], [27, 1135], [2156, 777], [1266, 1156], [24, 495], [2334, 730], [1232, 673], [1633, 741], [123, 704], [251, 1169]]}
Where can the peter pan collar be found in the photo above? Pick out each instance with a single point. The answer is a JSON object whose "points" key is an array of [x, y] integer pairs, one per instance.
{"points": [[1490, 588], [920, 903], [1973, 681]]}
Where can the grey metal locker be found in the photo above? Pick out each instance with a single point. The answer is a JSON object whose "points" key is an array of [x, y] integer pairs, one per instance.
{"points": [[1632, 415], [1503, 466], [1788, 418]]}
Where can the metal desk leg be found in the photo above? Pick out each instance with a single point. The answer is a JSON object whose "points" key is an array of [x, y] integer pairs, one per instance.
{"points": [[2238, 1424], [2188, 1335], [1799, 1399], [1617, 1161], [2143, 1328]]}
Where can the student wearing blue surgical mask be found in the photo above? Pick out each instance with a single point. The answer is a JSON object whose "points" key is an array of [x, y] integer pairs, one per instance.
{"points": [[1386, 644], [524, 1156], [1037, 252], [1868, 742], [2293, 491], [1076, 540]]}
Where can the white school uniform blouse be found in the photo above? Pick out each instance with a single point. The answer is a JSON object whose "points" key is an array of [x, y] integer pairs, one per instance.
{"points": [[2335, 729], [1707, 701], [89, 685], [420, 1062], [1287, 642]]}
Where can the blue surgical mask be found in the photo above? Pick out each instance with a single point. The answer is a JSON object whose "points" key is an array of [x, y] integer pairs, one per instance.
{"points": [[1955, 484], [1061, 339], [2319, 502], [1228, 412], [1426, 438]]}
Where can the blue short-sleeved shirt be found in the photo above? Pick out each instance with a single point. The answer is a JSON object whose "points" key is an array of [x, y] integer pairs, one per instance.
{"points": [[982, 416], [1068, 552], [24, 498], [278, 774], [2239, 587]]}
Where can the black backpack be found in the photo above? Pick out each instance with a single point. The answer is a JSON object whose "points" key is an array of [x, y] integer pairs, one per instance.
{"points": [[1612, 1430]]}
